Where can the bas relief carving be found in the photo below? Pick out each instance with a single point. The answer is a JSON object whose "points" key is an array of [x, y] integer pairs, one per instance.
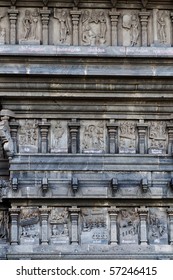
{"points": [[157, 137], [59, 226], [4, 221], [158, 231], [29, 225], [127, 142], [94, 226], [59, 140], [128, 223], [163, 27], [93, 137], [131, 29], [64, 26], [28, 136], [2, 29]]}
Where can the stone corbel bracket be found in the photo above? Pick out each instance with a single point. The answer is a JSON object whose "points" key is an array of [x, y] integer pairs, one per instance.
{"points": [[114, 185], [144, 185], [45, 185], [74, 185], [5, 135]]}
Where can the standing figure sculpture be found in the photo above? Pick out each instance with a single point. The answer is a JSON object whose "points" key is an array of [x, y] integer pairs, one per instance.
{"points": [[103, 27], [35, 16], [64, 25], [134, 30], [27, 23], [162, 31], [88, 36]]}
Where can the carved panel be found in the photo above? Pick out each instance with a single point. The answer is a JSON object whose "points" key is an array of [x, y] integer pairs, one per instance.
{"points": [[157, 137], [129, 29], [128, 223], [29, 225], [59, 226], [94, 226], [28, 136], [4, 220], [158, 231], [4, 26], [62, 27], [164, 27], [92, 136], [127, 137], [29, 27], [59, 136], [95, 28]]}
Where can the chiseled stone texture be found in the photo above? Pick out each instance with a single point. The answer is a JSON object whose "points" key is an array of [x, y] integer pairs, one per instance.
{"points": [[86, 130]]}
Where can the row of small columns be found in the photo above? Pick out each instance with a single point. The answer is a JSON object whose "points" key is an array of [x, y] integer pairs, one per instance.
{"points": [[75, 15], [112, 127], [74, 215]]}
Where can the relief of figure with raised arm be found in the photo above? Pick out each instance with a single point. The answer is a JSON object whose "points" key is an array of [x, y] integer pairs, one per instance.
{"points": [[62, 17], [162, 29], [134, 30]]}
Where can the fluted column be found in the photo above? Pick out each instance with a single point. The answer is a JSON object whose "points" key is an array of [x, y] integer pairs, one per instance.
{"points": [[45, 16], [114, 15], [74, 131], [142, 129], [44, 214], [112, 132], [170, 215], [113, 214], [74, 215], [14, 231], [44, 129], [144, 16], [13, 13], [143, 213], [75, 14]]}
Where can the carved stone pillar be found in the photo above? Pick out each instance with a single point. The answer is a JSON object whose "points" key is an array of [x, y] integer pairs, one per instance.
{"points": [[44, 225], [74, 130], [170, 215], [44, 129], [170, 138], [113, 213], [13, 129], [114, 15], [13, 13], [14, 231], [144, 16], [75, 13], [112, 131], [45, 16], [74, 215], [143, 213], [142, 128]]}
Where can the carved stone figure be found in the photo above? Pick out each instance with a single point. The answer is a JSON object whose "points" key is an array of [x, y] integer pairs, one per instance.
{"points": [[29, 227], [88, 36], [127, 137], [64, 30], [128, 225], [58, 136], [103, 27], [134, 30], [162, 29], [59, 215], [27, 23], [157, 136], [6, 138], [28, 135], [158, 233], [30, 23], [130, 26], [59, 225], [35, 17], [3, 225], [94, 137]]}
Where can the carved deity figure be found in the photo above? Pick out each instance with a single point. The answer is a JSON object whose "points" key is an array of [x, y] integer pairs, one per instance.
{"points": [[88, 36], [28, 134], [35, 16], [63, 19], [27, 23], [134, 30], [103, 27], [162, 29], [94, 137], [158, 135]]}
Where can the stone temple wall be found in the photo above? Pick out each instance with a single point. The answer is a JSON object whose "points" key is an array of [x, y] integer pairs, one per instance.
{"points": [[86, 129]]}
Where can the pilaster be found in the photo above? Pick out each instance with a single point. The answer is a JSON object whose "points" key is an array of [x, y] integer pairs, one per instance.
{"points": [[170, 215], [13, 14], [13, 129], [144, 16], [114, 15], [14, 232], [44, 129], [112, 131], [74, 215], [44, 214], [113, 214], [75, 14], [143, 213], [142, 129], [74, 130], [45, 17]]}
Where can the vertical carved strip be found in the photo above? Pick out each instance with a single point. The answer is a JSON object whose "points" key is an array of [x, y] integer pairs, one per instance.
{"points": [[170, 138], [13, 13], [75, 21], [144, 16], [143, 213], [45, 16], [112, 131], [170, 215], [14, 128], [114, 15], [113, 213], [14, 214], [44, 129], [155, 34], [74, 130], [44, 225], [142, 127], [74, 215]]}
